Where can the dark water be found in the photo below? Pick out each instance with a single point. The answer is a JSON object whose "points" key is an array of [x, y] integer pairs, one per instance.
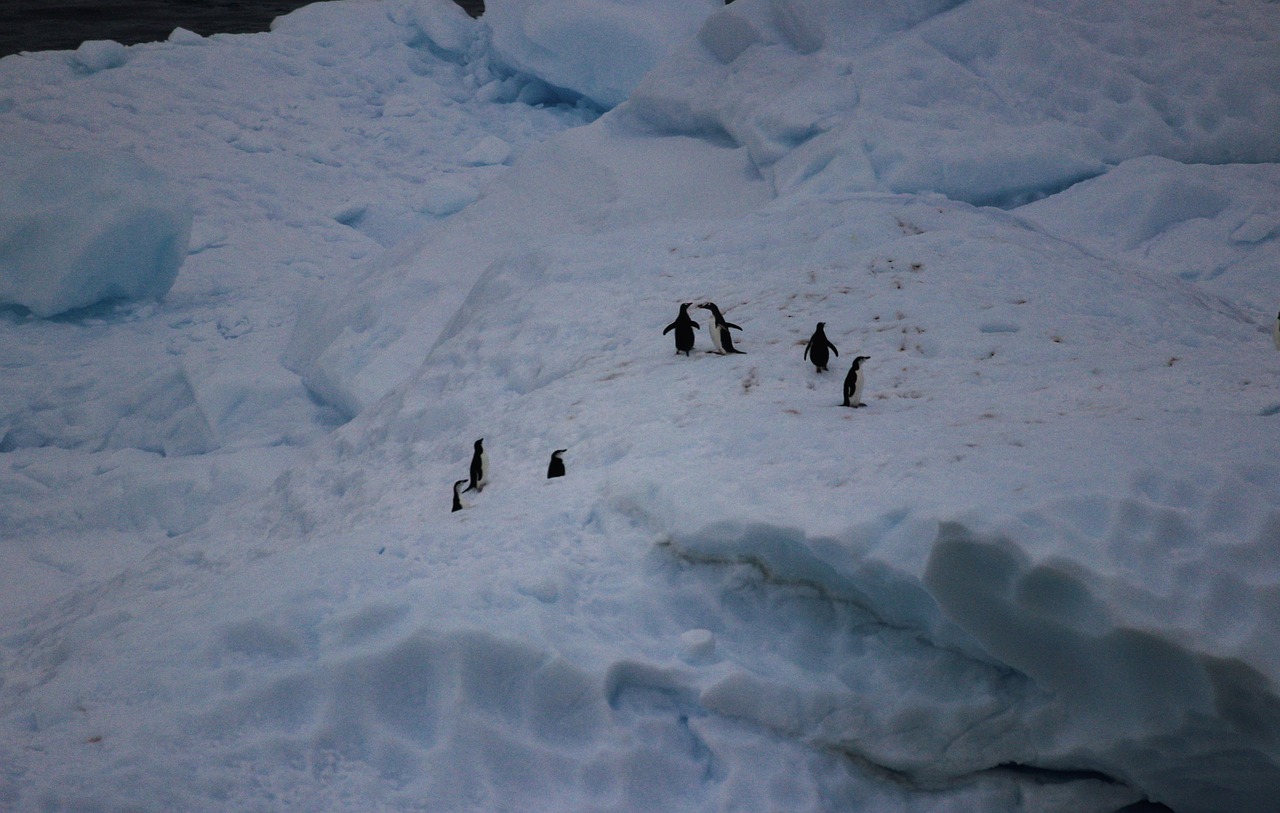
{"points": [[40, 25]]}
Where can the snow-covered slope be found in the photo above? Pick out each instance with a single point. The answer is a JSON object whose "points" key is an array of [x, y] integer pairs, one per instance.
{"points": [[1036, 572]]}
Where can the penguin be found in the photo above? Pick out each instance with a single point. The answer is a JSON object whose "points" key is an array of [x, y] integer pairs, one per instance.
{"points": [[853, 384], [1275, 332], [719, 330], [457, 497], [684, 327], [479, 468], [817, 347], [556, 467]]}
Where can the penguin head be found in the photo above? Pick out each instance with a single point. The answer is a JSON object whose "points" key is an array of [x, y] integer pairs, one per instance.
{"points": [[459, 483], [821, 325], [858, 361], [558, 452], [479, 444]]}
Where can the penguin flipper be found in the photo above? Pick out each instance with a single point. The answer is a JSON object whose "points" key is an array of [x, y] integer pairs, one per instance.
{"points": [[807, 345], [833, 348], [668, 328], [732, 325]]}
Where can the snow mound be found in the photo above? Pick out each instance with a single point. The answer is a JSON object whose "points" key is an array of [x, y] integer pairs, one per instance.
{"points": [[987, 102], [81, 228], [597, 49], [99, 55], [446, 26], [1217, 226]]}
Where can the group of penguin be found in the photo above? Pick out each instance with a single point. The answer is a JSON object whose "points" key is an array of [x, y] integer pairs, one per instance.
{"points": [[479, 474], [817, 350]]}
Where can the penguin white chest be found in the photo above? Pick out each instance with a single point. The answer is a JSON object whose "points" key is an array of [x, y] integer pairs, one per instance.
{"points": [[857, 389], [714, 330]]}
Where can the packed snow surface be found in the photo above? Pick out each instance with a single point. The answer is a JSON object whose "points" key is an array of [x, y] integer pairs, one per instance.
{"points": [[1039, 569]]}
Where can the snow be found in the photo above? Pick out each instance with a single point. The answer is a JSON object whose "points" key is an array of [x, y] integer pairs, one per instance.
{"points": [[932, 96], [80, 228], [1037, 572], [596, 49]]}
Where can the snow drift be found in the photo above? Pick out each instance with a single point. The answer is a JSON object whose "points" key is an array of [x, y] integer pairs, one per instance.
{"points": [[77, 229]]}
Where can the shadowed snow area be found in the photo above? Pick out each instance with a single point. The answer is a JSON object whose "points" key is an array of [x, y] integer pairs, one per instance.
{"points": [[1037, 572]]}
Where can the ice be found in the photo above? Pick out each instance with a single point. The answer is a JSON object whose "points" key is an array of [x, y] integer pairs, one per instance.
{"points": [[100, 55], [446, 25], [81, 228], [1036, 573], [910, 99], [491, 150], [597, 49], [1215, 224]]}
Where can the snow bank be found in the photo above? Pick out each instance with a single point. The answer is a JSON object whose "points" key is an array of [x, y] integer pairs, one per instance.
{"points": [[1217, 226], [598, 49], [997, 101], [81, 228], [1165, 712]]}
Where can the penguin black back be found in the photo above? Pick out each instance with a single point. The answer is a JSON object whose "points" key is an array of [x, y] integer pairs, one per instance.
{"points": [[853, 383], [556, 467], [684, 327], [819, 348], [479, 468]]}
